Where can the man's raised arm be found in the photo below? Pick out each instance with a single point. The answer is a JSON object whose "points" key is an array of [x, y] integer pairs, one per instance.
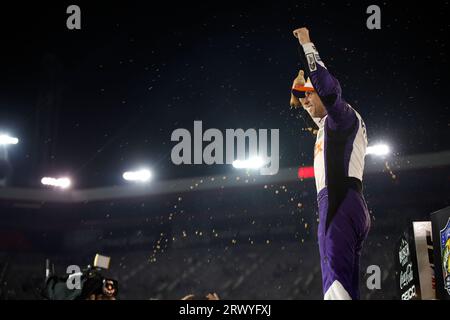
{"points": [[326, 86]]}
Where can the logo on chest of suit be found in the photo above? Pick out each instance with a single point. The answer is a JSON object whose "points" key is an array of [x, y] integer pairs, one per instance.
{"points": [[318, 147]]}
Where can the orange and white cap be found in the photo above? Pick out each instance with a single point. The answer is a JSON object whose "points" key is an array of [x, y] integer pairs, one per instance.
{"points": [[299, 90]]}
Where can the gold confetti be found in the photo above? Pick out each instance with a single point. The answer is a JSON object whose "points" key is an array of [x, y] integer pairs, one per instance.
{"points": [[393, 176]]}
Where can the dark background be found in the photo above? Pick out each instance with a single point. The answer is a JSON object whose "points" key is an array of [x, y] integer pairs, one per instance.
{"points": [[94, 102]]}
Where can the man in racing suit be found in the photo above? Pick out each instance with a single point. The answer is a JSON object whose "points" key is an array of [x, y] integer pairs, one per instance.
{"points": [[339, 153]]}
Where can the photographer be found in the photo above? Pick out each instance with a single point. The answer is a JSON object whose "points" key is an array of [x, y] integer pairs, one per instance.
{"points": [[89, 284]]}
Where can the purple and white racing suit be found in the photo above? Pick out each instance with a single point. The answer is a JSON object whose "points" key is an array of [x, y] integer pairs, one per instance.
{"points": [[339, 153]]}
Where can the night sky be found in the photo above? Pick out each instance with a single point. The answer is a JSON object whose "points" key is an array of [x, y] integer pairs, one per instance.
{"points": [[94, 102]]}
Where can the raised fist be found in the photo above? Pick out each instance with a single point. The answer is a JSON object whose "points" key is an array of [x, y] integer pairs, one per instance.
{"points": [[302, 34]]}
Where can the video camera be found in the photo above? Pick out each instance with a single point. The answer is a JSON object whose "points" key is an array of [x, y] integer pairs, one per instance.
{"points": [[80, 285]]}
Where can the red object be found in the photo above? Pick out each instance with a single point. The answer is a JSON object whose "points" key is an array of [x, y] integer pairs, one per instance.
{"points": [[306, 172]]}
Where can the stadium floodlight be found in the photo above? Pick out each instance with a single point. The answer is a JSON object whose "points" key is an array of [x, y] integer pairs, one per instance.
{"points": [[378, 150], [143, 175], [62, 183], [252, 163], [6, 139]]}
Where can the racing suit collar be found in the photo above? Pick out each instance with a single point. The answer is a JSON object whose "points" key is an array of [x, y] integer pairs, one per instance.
{"points": [[320, 122]]}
